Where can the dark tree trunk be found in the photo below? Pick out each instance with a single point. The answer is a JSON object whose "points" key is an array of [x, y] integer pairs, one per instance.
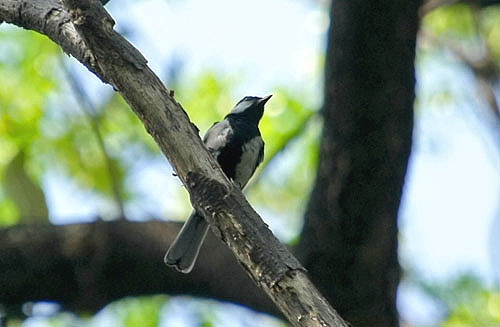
{"points": [[349, 241]]}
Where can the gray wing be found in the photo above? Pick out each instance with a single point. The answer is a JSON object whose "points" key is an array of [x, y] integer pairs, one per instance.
{"points": [[218, 136]]}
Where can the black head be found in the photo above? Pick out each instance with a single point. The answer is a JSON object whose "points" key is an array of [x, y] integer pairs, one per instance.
{"points": [[250, 108]]}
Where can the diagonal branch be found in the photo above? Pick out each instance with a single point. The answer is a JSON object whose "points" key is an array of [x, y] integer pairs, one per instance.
{"points": [[86, 32]]}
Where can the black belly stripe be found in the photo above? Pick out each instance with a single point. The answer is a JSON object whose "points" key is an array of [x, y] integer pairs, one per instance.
{"points": [[229, 158]]}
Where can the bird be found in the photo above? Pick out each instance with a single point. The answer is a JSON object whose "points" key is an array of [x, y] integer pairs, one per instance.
{"points": [[237, 145]]}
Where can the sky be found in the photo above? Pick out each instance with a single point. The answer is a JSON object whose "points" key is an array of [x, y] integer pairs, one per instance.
{"points": [[452, 187], [453, 184]]}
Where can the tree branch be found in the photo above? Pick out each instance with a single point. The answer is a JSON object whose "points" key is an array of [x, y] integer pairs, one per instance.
{"points": [[86, 266], [87, 34]]}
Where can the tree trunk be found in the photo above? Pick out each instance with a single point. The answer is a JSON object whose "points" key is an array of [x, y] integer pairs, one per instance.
{"points": [[349, 240]]}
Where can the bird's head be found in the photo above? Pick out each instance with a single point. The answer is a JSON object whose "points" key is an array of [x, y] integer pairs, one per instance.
{"points": [[250, 108]]}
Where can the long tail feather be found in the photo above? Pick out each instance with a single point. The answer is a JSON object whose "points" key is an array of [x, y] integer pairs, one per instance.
{"points": [[184, 250]]}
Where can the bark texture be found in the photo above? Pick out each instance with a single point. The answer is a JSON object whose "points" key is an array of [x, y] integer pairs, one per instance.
{"points": [[349, 241]]}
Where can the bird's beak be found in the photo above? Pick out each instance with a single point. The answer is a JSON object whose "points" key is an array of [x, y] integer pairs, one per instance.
{"points": [[263, 100]]}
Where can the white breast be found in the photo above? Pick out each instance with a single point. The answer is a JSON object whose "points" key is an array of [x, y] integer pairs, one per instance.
{"points": [[248, 162]]}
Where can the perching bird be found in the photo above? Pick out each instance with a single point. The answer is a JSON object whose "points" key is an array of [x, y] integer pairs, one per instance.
{"points": [[238, 147]]}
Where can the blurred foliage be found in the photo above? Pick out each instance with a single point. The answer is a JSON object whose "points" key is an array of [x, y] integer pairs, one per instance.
{"points": [[460, 44], [144, 311], [138, 311], [452, 21], [468, 301], [491, 28], [26, 66], [153, 311], [206, 99], [50, 131], [285, 193], [467, 28], [461, 41]]}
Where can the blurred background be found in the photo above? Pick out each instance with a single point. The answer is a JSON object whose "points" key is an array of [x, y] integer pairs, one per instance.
{"points": [[71, 150]]}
